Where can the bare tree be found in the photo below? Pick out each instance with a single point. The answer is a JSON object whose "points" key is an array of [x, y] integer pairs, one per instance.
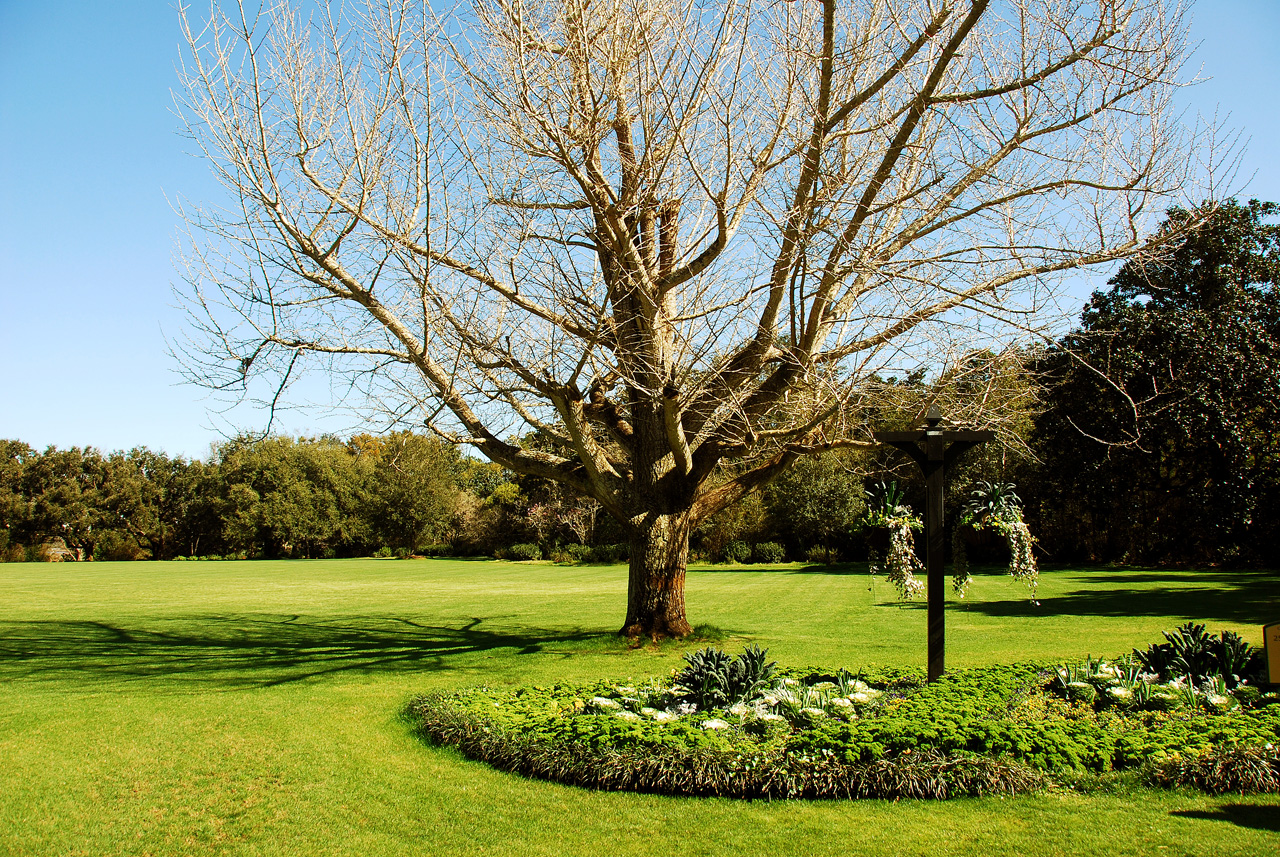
{"points": [[659, 235]]}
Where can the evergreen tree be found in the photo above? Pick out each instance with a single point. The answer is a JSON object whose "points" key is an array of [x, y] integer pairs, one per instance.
{"points": [[1159, 437]]}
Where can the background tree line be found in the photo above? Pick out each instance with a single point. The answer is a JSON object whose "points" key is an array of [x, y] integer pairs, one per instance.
{"points": [[1147, 434], [274, 497]]}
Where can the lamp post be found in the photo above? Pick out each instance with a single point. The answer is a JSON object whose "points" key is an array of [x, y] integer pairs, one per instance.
{"points": [[933, 448]]}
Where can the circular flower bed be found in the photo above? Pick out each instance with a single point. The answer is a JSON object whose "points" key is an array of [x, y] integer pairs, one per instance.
{"points": [[737, 726]]}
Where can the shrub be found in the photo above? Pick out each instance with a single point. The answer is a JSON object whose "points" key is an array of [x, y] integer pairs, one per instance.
{"points": [[769, 553], [609, 554], [383, 552], [577, 553], [739, 552], [629, 755], [818, 554], [524, 551], [434, 550], [1190, 651]]}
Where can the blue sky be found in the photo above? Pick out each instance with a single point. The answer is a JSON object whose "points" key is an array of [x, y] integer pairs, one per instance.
{"points": [[90, 156]]}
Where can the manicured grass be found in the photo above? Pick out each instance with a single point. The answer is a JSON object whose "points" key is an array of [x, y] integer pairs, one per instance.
{"points": [[253, 708]]}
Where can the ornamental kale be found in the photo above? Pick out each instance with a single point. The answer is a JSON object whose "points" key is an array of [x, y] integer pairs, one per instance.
{"points": [[714, 679]]}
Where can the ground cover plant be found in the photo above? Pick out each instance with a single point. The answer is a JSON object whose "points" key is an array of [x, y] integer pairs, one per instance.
{"points": [[735, 726], [254, 708]]}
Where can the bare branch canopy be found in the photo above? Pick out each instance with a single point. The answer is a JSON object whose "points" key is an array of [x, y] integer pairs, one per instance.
{"points": [[663, 234]]}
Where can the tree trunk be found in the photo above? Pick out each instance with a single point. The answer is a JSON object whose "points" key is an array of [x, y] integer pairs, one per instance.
{"points": [[655, 589]]}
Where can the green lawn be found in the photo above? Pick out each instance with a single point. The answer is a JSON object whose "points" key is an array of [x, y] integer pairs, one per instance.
{"points": [[253, 708]]}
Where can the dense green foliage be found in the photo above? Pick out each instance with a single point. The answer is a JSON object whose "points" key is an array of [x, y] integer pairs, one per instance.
{"points": [[688, 761], [1158, 435], [724, 725], [125, 505], [271, 497], [818, 501], [769, 553], [1191, 652], [713, 679]]}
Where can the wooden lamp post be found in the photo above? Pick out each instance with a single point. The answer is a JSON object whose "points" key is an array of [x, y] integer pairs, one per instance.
{"points": [[933, 448]]}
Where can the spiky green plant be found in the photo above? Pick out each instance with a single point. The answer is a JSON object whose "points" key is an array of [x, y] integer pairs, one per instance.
{"points": [[714, 679]]}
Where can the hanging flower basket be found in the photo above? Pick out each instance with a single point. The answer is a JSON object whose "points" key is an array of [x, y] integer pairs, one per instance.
{"points": [[888, 529], [993, 518], [899, 564]]}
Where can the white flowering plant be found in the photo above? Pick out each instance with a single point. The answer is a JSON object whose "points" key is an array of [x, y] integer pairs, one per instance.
{"points": [[887, 509], [750, 696], [996, 507]]}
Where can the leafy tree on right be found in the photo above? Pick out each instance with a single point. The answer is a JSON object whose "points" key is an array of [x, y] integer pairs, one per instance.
{"points": [[1159, 436]]}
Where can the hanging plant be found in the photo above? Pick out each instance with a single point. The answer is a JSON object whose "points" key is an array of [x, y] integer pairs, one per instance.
{"points": [[890, 524], [994, 510]]}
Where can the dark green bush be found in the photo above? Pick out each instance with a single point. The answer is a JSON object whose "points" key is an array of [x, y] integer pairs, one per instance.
{"points": [[118, 547], [769, 553], [524, 551], [1191, 651], [1237, 659], [609, 554], [819, 554], [739, 552], [713, 679]]}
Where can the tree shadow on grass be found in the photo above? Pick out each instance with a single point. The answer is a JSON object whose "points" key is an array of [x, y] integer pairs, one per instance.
{"points": [[1244, 597], [256, 650], [1253, 815], [1175, 576]]}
